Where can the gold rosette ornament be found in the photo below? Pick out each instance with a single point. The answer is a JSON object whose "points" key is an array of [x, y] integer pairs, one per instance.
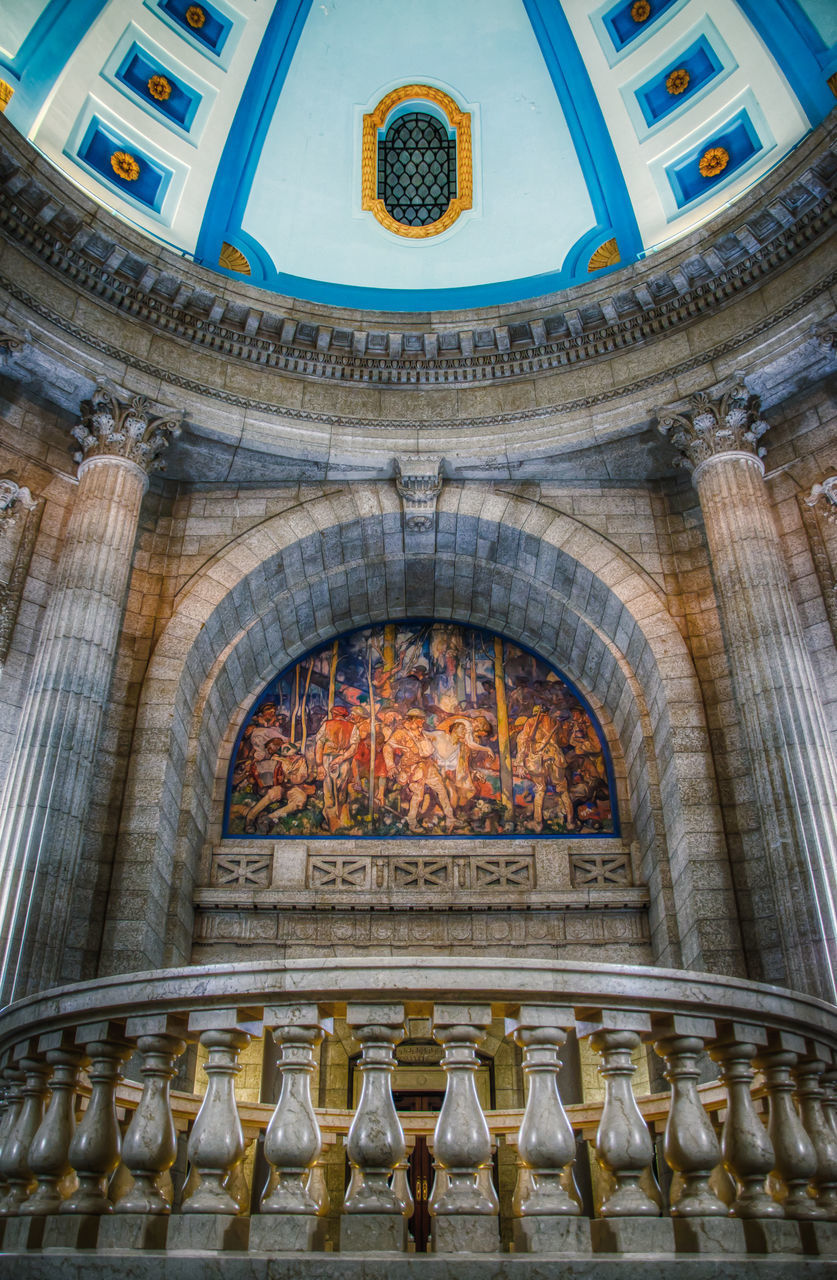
{"points": [[159, 87], [713, 162], [195, 16], [678, 81], [640, 10], [125, 166]]}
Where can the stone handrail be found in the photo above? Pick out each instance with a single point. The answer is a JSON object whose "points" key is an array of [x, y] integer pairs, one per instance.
{"points": [[55, 1178]]}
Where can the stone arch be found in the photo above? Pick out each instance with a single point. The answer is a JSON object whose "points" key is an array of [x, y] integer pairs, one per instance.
{"points": [[502, 561]]}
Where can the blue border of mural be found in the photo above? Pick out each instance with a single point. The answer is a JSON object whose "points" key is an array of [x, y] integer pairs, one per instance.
{"points": [[230, 192], [616, 833]]}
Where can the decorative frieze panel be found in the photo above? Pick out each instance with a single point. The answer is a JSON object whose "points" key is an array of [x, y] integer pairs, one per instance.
{"points": [[243, 870], [599, 869], [375, 873], [575, 933]]}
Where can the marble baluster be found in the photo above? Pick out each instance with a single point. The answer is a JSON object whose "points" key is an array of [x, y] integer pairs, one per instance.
{"points": [[544, 1213], [97, 1142], [690, 1145], [795, 1156], [745, 1144], [623, 1143], [292, 1145], [16, 1153], [49, 1157], [808, 1075], [216, 1142], [373, 1217], [829, 1099], [15, 1079], [150, 1144], [464, 1216]]}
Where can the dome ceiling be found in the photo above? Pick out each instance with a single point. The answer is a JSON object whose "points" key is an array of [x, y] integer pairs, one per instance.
{"points": [[252, 135]]}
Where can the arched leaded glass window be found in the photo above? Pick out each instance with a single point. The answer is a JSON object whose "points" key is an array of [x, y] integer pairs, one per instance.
{"points": [[417, 163], [416, 169]]}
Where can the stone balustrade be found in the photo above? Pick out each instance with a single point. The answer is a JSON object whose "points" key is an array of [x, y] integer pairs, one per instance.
{"points": [[747, 1160]]}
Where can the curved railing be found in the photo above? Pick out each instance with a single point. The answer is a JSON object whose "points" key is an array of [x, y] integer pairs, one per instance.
{"points": [[62, 1053]]}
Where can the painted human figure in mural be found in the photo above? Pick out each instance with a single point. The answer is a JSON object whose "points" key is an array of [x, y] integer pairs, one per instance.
{"points": [[333, 759], [541, 760], [290, 788], [456, 752], [417, 768]]}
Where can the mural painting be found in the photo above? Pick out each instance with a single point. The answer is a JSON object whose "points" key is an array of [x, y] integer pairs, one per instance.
{"points": [[422, 728]]}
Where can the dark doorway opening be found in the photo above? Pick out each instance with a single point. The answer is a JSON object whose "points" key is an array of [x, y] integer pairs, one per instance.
{"points": [[421, 1165]]}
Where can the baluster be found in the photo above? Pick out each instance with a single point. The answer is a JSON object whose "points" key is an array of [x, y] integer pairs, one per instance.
{"points": [[808, 1074], [829, 1099], [140, 1219], [211, 1217], [150, 1145], [15, 1079], [96, 1144], [624, 1149], [464, 1216], [49, 1153], [796, 1159], [544, 1213], [745, 1143], [691, 1147], [21, 1136], [4, 1110], [373, 1213], [288, 1218]]}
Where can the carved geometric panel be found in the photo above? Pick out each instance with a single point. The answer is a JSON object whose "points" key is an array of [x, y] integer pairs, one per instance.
{"points": [[338, 873], [420, 873], [502, 873], [588, 870], [243, 870]]}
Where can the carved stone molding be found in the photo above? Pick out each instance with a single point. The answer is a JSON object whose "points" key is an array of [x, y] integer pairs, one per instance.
{"points": [[744, 248], [730, 423], [825, 334], [20, 516], [111, 428], [823, 498], [419, 484], [9, 340]]}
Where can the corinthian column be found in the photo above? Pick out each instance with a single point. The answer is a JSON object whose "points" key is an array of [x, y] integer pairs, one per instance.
{"points": [[790, 752], [47, 791]]}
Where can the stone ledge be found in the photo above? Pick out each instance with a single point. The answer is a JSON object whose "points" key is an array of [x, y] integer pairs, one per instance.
{"points": [[334, 1266]]}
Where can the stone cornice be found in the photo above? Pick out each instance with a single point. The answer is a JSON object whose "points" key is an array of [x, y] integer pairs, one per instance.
{"points": [[789, 213]]}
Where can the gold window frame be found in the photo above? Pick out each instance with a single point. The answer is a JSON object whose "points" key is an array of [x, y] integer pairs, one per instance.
{"points": [[458, 120]]}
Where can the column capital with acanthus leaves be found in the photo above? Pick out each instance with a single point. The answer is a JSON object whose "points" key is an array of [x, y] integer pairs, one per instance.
{"points": [[110, 427], [712, 426]]}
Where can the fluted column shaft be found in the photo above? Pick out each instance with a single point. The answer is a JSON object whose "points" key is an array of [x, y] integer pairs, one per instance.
{"points": [[791, 754], [47, 791]]}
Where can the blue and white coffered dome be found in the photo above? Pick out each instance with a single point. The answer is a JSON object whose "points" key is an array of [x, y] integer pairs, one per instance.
{"points": [[435, 155]]}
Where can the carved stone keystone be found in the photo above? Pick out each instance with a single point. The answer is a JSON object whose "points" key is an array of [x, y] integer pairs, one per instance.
{"points": [[419, 483]]}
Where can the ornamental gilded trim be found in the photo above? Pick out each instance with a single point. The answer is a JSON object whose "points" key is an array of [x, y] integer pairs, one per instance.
{"points": [[457, 119]]}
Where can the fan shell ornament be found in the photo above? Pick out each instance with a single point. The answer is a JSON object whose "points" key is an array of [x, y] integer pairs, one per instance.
{"points": [[713, 161], [125, 166], [678, 81], [159, 88]]}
